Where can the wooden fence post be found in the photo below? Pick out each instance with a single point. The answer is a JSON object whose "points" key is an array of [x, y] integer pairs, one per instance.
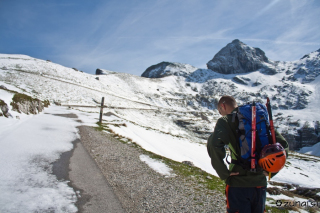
{"points": [[101, 110]]}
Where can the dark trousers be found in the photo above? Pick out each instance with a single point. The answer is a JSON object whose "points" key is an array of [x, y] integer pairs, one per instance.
{"points": [[245, 199]]}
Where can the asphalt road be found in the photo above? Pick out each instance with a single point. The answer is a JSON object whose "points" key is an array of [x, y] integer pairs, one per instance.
{"points": [[93, 191]]}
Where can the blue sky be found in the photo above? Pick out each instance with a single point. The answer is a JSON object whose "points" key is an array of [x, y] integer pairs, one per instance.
{"points": [[131, 35]]}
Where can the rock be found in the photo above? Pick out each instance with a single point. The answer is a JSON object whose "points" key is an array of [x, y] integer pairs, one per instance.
{"points": [[238, 57], [257, 83], [273, 191], [164, 69], [240, 80], [308, 67], [97, 78], [5, 109], [189, 163], [26, 104], [99, 72], [104, 72], [58, 103], [3, 87], [269, 70], [311, 193]]}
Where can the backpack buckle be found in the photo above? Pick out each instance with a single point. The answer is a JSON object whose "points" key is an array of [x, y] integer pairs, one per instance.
{"points": [[253, 170]]}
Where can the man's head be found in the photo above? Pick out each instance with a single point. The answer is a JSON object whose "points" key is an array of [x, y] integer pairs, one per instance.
{"points": [[226, 104]]}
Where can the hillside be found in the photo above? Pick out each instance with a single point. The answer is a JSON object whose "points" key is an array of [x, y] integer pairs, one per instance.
{"points": [[171, 110]]}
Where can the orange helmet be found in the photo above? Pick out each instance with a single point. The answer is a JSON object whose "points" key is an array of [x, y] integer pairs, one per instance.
{"points": [[272, 158]]}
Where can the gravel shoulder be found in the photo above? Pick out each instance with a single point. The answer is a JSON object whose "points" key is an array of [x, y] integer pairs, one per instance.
{"points": [[138, 187]]}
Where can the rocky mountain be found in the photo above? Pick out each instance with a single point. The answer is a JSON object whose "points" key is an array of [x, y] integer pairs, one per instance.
{"points": [[306, 69], [238, 57], [247, 74], [164, 69]]}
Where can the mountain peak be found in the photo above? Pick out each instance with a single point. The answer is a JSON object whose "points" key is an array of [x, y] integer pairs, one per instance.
{"points": [[237, 57], [236, 41]]}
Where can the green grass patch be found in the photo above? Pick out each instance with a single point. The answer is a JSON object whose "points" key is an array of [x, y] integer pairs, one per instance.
{"points": [[100, 127], [211, 182], [276, 210], [18, 97]]}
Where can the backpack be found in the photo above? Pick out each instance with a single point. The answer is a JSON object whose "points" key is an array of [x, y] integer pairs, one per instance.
{"points": [[263, 135]]}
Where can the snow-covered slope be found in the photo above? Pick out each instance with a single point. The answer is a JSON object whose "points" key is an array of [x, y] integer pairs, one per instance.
{"points": [[187, 100], [174, 115], [291, 86]]}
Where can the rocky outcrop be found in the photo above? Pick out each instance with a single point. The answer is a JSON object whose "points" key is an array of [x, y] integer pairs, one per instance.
{"points": [[104, 72], [3, 87], [164, 69], [241, 80], [307, 136], [309, 67], [25, 104], [299, 135], [4, 109], [238, 57]]}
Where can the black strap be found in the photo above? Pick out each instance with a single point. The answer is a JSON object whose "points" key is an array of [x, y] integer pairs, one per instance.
{"points": [[234, 114]]}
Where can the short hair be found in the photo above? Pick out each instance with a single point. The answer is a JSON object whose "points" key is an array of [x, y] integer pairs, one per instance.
{"points": [[228, 100]]}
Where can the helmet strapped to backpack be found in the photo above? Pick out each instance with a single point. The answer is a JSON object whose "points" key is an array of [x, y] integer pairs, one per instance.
{"points": [[272, 158]]}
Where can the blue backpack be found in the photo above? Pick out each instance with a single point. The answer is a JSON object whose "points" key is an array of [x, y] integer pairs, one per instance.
{"points": [[244, 131]]}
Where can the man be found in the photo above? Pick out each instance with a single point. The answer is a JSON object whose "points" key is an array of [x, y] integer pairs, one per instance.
{"points": [[245, 190]]}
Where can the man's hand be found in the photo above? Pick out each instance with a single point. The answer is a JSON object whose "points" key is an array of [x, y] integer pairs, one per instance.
{"points": [[234, 173]]}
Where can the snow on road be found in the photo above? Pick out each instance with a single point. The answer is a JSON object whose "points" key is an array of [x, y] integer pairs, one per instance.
{"points": [[28, 148]]}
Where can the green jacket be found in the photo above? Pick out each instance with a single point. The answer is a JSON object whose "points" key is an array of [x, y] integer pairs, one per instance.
{"points": [[225, 134]]}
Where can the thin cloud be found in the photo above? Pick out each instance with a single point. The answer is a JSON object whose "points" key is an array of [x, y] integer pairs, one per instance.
{"points": [[129, 36], [267, 8]]}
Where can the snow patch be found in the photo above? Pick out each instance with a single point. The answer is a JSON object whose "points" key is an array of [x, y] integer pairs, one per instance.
{"points": [[314, 150], [157, 166]]}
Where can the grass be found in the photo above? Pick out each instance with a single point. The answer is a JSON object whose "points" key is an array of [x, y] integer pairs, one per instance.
{"points": [[276, 210], [100, 127], [18, 97], [211, 182]]}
